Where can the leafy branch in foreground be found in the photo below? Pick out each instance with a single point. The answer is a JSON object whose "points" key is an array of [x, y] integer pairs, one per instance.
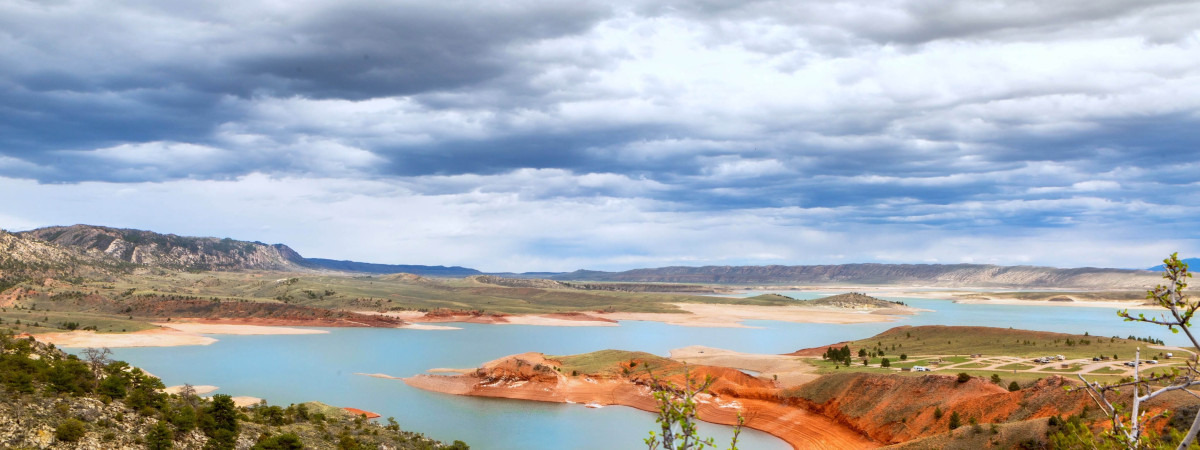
{"points": [[1129, 428], [677, 414]]}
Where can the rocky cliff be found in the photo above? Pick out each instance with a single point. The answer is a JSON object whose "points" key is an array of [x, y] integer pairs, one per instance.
{"points": [[170, 251], [943, 275]]}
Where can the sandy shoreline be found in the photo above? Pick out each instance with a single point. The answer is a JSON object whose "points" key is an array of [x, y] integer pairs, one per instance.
{"points": [[170, 334], [233, 329], [158, 337]]}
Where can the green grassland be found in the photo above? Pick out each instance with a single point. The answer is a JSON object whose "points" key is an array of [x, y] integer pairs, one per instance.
{"points": [[97, 302], [948, 340], [948, 348]]}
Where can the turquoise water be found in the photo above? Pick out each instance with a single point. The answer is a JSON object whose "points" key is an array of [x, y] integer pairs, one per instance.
{"points": [[298, 368]]}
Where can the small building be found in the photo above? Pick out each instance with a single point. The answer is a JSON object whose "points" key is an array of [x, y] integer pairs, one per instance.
{"points": [[977, 355]]}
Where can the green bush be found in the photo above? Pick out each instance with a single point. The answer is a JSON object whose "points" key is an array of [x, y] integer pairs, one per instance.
{"points": [[964, 377], [70, 430]]}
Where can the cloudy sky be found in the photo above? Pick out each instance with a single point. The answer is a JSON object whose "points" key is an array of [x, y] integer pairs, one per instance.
{"points": [[530, 136]]}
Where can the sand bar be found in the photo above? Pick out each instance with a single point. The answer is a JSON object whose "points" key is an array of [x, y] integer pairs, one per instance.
{"points": [[243, 330], [158, 337], [241, 401], [199, 390], [169, 334]]}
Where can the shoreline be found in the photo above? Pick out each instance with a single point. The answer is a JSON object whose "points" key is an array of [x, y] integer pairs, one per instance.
{"points": [[797, 426]]}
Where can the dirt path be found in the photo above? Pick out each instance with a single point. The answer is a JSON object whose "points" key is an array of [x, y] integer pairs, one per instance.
{"points": [[786, 371]]}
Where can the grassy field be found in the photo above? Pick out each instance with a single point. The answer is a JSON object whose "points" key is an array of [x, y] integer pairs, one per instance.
{"points": [[962, 341], [948, 348], [41, 321]]}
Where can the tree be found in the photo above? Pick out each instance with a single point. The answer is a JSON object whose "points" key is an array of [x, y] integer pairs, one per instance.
{"points": [[97, 358], [1013, 387], [677, 414], [885, 363], [285, 441], [955, 420], [160, 437], [996, 379], [1129, 426], [964, 377], [220, 423]]}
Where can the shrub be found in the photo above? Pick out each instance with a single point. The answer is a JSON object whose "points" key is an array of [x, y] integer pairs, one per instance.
{"points": [[955, 420], [937, 413], [885, 363], [996, 378], [963, 377], [70, 430], [1013, 387]]}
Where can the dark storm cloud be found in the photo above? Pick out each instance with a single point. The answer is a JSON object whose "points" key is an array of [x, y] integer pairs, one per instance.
{"points": [[77, 76], [953, 115]]}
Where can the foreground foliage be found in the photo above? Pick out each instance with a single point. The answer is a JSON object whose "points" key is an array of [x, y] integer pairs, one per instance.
{"points": [[1130, 424], [51, 399], [677, 415]]}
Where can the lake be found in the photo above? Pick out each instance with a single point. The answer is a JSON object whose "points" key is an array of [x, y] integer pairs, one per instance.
{"points": [[296, 368]]}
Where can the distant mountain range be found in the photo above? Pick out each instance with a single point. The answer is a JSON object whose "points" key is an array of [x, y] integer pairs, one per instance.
{"points": [[89, 245], [1193, 264], [936, 275]]}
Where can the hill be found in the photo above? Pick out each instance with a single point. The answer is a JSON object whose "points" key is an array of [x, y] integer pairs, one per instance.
{"points": [[26, 259], [854, 300], [175, 252], [942, 275], [170, 251]]}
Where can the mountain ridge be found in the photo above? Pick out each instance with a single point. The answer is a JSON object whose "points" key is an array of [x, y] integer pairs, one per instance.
{"points": [[938, 275], [209, 253]]}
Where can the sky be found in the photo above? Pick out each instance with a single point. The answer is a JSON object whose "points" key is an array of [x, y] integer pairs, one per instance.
{"points": [[554, 136]]}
